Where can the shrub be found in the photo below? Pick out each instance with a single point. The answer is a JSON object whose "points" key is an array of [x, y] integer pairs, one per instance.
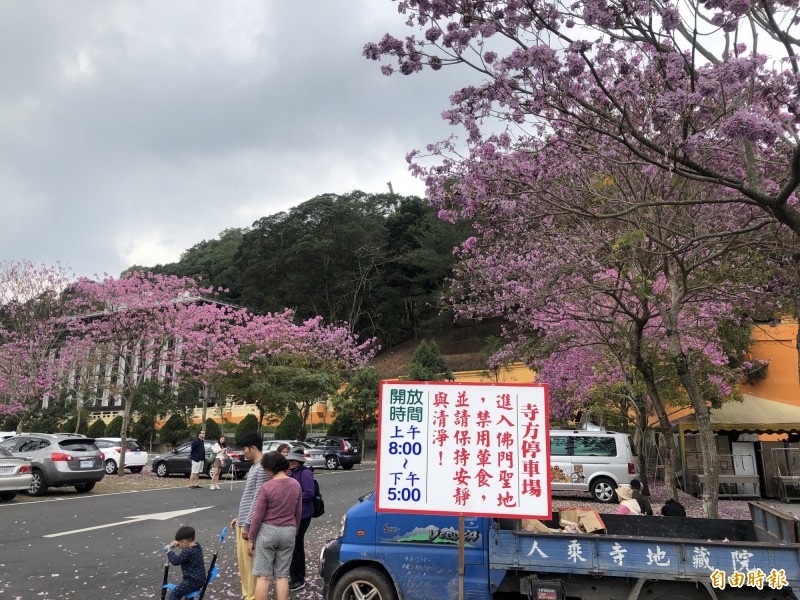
{"points": [[114, 427], [427, 363], [96, 429], [290, 427], [247, 425], [213, 430], [174, 430], [69, 426]]}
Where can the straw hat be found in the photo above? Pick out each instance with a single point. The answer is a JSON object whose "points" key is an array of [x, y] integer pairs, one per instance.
{"points": [[624, 492]]}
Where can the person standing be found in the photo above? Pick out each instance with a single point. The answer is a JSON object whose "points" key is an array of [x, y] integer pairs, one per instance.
{"points": [[251, 448], [220, 454], [303, 476], [276, 517], [197, 454]]}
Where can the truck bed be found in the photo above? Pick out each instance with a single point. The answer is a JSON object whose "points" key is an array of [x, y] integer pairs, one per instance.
{"points": [[653, 548]]}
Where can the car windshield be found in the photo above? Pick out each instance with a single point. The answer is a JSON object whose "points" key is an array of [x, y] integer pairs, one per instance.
{"points": [[5, 453]]}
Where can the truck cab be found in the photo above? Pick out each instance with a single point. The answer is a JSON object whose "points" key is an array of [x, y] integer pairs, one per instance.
{"points": [[386, 556]]}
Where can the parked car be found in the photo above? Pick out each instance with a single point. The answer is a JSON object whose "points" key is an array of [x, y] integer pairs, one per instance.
{"points": [[337, 450], [239, 463], [177, 462], [315, 458], [16, 475], [591, 461], [135, 455], [58, 460]]}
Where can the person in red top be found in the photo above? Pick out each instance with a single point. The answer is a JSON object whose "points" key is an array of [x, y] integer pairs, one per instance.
{"points": [[276, 517]]}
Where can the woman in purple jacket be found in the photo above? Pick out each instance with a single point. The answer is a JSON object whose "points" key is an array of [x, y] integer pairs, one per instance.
{"points": [[273, 527], [303, 476]]}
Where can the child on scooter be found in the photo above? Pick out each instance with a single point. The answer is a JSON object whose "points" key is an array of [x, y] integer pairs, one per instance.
{"points": [[191, 561]]}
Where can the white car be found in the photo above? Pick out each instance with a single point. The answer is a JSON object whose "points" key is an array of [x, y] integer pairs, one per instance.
{"points": [[135, 455]]}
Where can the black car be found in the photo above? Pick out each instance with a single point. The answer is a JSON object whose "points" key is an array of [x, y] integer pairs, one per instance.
{"points": [[177, 462], [338, 450]]}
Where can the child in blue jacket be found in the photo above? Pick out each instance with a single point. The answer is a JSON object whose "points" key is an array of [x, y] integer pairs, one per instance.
{"points": [[191, 561]]}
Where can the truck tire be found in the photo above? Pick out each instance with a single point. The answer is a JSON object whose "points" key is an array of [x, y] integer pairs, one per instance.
{"points": [[603, 490], [364, 582]]}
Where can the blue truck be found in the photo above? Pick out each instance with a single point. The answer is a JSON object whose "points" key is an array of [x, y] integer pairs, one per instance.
{"points": [[404, 556]]}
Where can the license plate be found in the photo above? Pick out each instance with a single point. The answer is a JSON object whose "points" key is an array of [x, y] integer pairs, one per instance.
{"points": [[6, 470], [87, 464]]}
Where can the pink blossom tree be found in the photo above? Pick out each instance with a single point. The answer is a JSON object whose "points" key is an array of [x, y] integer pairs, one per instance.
{"points": [[211, 348], [707, 91], [290, 366], [137, 324], [628, 290], [31, 307]]}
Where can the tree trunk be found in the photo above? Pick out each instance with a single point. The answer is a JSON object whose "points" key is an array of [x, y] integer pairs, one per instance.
{"points": [[123, 434], [645, 369], [206, 396], [708, 445]]}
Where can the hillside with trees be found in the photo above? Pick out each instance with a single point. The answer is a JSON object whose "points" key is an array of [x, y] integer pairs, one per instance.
{"points": [[377, 262]]}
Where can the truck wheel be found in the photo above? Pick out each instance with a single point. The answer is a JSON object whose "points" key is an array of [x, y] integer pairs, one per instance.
{"points": [[603, 490], [332, 462], [364, 583]]}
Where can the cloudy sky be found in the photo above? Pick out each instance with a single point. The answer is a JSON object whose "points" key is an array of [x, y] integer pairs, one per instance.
{"points": [[132, 130]]}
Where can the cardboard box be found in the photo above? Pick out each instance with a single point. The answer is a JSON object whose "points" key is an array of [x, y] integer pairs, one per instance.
{"points": [[588, 520], [535, 525]]}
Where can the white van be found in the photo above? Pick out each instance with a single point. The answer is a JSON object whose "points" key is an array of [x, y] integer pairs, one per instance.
{"points": [[591, 461]]}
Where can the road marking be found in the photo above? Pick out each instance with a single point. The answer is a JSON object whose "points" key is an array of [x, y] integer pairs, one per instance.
{"points": [[163, 516]]}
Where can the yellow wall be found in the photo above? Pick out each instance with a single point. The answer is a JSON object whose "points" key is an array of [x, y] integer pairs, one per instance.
{"points": [[514, 373], [776, 345]]}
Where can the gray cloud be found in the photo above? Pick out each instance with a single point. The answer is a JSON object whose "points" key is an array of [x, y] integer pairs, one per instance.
{"points": [[130, 131]]}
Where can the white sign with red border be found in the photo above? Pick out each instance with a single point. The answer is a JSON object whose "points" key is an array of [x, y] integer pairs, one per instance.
{"points": [[455, 448]]}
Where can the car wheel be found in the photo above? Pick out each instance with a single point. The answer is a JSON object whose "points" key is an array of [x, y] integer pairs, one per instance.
{"points": [[364, 582], [347, 467], [210, 471], [82, 488], [38, 485], [111, 467], [603, 490], [331, 462], [162, 470], [6, 496], [136, 469]]}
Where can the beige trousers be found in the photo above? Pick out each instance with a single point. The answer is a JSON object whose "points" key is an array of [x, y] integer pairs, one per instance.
{"points": [[245, 566]]}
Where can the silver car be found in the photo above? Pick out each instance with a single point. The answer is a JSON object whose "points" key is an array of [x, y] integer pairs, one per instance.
{"points": [[58, 460], [315, 459], [15, 475]]}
